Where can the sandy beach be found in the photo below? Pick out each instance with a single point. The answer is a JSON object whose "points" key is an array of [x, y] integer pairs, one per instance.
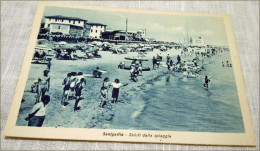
{"points": [[90, 115], [131, 104]]}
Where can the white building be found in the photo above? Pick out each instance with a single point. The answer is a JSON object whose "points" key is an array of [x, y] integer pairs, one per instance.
{"points": [[197, 41], [141, 34], [65, 25], [94, 30]]}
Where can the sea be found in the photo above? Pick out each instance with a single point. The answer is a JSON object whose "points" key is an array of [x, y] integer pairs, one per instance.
{"points": [[176, 103]]}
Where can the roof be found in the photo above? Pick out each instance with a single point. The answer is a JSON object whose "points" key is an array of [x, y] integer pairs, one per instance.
{"points": [[111, 31], [67, 24], [96, 24], [64, 17]]}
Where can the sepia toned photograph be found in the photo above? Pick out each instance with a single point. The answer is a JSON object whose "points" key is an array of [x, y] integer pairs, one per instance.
{"points": [[126, 70]]}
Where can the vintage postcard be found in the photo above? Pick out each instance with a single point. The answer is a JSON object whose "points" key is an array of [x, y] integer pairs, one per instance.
{"points": [[123, 75]]}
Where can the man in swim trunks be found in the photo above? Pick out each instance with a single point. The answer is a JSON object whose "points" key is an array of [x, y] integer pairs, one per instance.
{"points": [[78, 93], [43, 85], [66, 83]]}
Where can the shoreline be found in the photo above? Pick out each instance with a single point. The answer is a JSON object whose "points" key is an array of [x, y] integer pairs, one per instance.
{"points": [[91, 115]]}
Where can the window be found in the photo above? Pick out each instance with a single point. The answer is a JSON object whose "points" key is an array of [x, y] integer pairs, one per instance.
{"points": [[96, 31], [58, 27], [49, 19], [62, 20], [95, 36], [79, 21], [56, 19], [73, 21], [48, 25], [91, 30], [69, 21]]}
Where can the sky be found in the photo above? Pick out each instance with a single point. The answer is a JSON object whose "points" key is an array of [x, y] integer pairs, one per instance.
{"points": [[161, 27]]}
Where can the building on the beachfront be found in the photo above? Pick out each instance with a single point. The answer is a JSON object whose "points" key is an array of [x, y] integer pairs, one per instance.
{"points": [[65, 25], [141, 34], [197, 41], [121, 35], [94, 30]]}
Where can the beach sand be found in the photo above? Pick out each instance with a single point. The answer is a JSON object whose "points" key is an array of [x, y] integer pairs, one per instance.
{"points": [[90, 115], [131, 103]]}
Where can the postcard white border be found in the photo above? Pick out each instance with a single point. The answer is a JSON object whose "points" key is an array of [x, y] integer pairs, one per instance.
{"points": [[177, 137]]}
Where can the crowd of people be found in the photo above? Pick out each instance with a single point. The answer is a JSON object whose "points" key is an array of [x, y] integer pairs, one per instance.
{"points": [[136, 70]]}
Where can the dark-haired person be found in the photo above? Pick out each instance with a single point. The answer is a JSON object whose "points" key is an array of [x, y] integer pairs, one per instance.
{"points": [[154, 62], [37, 115], [97, 73], [106, 83], [168, 58], [140, 69], [80, 76], [66, 83], [207, 80], [78, 93], [103, 96], [115, 92], [43, 85], [178, 59]]}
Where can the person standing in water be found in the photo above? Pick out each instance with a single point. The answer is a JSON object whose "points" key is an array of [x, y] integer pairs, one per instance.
{"points": [[168, 58], [115, 92], [178, 59], [207, 80], [154, 62]]}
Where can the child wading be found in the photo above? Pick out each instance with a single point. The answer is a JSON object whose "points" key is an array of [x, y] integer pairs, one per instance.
{"points": [[116, 85], [207, 80]]}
